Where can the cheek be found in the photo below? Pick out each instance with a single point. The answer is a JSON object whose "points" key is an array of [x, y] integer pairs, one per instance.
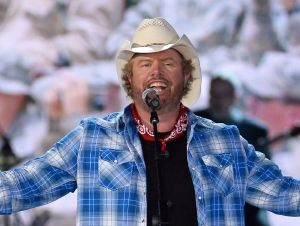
{"points": [[137, 79], [181, 81]]}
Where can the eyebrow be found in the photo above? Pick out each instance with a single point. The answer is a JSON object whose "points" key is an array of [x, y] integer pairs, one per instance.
{"points": [[145, 58]]}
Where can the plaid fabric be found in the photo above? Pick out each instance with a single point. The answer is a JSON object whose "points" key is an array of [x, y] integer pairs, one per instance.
{"points": [[102, 158]]}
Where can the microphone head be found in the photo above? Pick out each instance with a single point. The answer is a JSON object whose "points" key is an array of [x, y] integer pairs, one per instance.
{"points": [[149, 91], [151, 99]]}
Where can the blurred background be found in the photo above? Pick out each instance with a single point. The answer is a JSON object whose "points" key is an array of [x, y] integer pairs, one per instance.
{"points": [[57, 67]]}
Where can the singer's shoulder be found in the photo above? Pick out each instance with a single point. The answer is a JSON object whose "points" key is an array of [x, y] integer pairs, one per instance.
{"points": [[108, 120], [205, 124]]}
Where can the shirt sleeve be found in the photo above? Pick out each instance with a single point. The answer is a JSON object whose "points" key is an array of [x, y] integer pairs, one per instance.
{"points": [[42, 179], [268, 188]]}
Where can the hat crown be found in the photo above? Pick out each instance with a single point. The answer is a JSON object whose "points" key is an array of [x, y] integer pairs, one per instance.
{"points": [[156, 31], [155, 35]]}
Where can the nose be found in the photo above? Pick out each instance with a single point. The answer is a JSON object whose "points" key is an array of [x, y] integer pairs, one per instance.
{"points": [[156, 69]]}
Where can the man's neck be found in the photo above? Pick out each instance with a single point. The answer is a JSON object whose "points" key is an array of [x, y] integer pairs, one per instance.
{"points": [[167, 118]]}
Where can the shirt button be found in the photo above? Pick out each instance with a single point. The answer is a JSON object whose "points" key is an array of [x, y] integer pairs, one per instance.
{"points": [[115, 161], [199, 197], [193, 168], [143, 220]]}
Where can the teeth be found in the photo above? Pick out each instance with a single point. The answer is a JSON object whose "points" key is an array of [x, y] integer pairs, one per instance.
{"points": [[158, 84], [157, 89]]}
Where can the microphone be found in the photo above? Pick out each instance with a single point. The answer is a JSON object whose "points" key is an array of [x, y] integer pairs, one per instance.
{"points": [[151, 99]]}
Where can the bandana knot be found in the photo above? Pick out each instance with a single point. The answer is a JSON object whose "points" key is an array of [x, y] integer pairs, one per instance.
{"points": [[177, 131]]}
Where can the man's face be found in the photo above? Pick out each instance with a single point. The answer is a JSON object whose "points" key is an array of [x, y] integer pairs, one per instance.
{"points": [[221, 98], [162, 71]]}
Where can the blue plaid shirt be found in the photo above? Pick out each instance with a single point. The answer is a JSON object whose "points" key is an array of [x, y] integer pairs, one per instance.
{"points": [[102, 159]]}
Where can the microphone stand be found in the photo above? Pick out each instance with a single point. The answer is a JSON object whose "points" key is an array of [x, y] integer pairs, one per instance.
{"points": [[293, 132], [157, 220]]}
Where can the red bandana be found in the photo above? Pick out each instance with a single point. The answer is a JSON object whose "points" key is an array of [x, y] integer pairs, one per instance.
{"points": [[178, 130]]}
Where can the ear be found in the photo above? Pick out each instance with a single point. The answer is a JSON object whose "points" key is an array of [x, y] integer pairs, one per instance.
{"points": [[129, 77], [187, 76]]}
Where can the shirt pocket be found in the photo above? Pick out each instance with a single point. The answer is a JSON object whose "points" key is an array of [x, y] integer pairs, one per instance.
{"points": [[115, 169], [220, 170]]}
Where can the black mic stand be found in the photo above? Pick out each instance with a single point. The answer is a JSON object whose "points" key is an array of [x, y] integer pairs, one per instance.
{"points": [[293, 132], [157, 220]]}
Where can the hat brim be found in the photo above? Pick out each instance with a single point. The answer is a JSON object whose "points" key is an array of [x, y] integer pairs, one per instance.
{"points": [[183, 45]]}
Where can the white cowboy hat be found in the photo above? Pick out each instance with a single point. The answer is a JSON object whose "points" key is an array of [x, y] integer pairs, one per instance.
{"points": [[155, 35]]}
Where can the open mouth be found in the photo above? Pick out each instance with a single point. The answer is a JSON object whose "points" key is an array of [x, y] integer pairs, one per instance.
{"points": [[158, 86]]}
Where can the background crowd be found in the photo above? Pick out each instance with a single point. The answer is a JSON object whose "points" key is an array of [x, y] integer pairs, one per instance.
{"points": [[57, 67]]}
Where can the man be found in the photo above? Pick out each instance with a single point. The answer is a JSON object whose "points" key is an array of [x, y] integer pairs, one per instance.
{"points": [[221, 109], [210, 171]]}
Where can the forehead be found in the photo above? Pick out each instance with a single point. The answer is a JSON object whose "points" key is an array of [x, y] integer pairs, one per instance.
{"points": [[166, 54]]}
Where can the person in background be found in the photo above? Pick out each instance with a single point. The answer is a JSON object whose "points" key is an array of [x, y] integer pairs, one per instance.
{"points": [[221, 109], [116, 163]]}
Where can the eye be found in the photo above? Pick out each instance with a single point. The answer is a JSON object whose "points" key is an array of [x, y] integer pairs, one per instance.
{"points": [[145, 65], [168, 64]]}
